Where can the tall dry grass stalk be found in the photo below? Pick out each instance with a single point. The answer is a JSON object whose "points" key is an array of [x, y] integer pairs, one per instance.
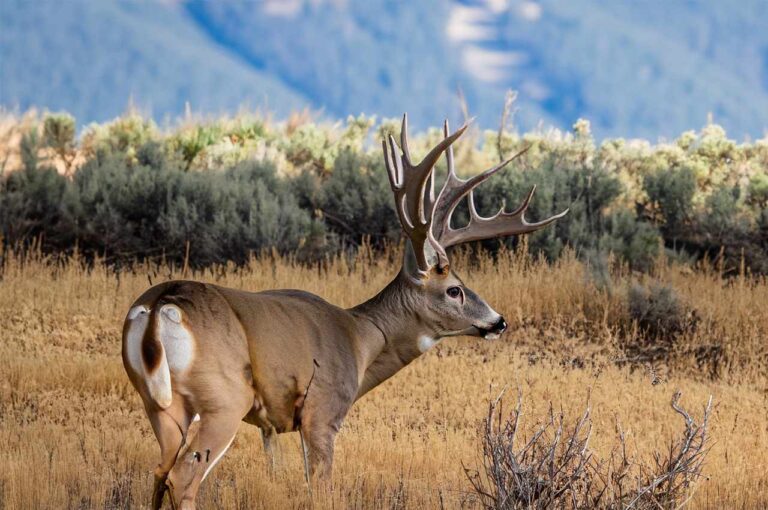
{"points": [[74, 434]]}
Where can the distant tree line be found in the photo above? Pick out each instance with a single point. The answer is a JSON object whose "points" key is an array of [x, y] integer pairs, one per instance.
{"points": [[232, 187]]}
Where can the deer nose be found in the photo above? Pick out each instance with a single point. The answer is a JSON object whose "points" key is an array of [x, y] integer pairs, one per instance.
{"points": [[499, 327]]}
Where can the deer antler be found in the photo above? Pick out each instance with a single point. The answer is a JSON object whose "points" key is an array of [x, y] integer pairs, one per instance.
{"points": [[414, 200], [500, 224], [426, 220]]}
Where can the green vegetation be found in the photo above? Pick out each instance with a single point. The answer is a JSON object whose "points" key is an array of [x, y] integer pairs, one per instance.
{"points": [[231, 187]]}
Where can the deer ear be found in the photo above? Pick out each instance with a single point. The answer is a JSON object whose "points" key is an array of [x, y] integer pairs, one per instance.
{"points": [[410, 264]]}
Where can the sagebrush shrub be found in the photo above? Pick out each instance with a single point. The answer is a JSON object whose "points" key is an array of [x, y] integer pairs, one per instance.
{"points": [[324, 189], [29, 204], [661, 317], [670, 192], [154, 207]]}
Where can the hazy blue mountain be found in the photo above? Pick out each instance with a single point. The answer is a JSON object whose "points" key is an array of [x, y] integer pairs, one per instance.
{"points": [[91, 57], [649, 69]]}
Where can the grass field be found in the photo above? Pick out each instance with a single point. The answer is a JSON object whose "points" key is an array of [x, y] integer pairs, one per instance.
{"points": [[74, 435]]}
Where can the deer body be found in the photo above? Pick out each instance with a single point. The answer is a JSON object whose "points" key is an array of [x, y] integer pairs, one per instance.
{"points": [[287, 360]]}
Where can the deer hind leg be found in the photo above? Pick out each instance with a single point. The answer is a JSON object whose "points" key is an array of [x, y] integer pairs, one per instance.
{"points": [[217, 431], [170, 427]]}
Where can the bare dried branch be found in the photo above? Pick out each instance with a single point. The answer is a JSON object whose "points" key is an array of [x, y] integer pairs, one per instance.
{"points": [[556, 469]]}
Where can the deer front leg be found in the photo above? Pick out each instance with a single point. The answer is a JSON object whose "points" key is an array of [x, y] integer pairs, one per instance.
{"points": [[319, 426], [272, 449], [320, 413], [318, 444]]}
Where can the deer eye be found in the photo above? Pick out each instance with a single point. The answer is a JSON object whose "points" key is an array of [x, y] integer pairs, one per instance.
{"points": [[453, 292]]}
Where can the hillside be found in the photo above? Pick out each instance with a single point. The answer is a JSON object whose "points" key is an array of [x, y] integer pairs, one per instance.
{"points": [[638, 70], [91, 58]]}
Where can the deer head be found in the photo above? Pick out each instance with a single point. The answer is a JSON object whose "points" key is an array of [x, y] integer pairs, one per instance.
{"points": [[446, 304]]}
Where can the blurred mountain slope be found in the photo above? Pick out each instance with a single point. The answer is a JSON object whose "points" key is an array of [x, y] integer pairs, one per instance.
{"points": [[91, 57], [651, 69]]}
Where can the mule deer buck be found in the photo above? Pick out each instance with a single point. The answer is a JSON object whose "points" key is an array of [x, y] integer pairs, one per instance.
{"points": [[287, 360]]}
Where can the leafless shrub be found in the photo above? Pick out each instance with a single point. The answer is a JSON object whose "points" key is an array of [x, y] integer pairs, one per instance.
{"points": [[555, 467], [671, 480], [506, 114]]}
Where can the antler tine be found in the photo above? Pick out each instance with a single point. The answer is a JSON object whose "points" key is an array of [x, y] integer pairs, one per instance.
{"points": [[524, 206], [429, 193], [415, 179], [499, 225], [394, 166], [448, 152], [392, 163], [404, 139]]}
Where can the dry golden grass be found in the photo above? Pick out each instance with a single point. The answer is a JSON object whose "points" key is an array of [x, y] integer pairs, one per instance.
{"points": [[74, 434]]}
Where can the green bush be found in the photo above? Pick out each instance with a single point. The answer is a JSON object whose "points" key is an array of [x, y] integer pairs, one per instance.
{"points": [[59, 135], [670, 193], [230, 187], [154, 207], [29, 205], [355, 200], [635, 241]]}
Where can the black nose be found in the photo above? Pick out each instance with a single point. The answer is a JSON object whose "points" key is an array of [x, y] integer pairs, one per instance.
{"points": [[500, 326]]}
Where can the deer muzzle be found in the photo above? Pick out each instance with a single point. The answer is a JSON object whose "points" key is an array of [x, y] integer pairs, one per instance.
{"points": [[494, 331]]}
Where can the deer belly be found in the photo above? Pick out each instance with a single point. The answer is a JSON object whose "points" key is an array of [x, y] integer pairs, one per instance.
{"points": [[281, 418]]}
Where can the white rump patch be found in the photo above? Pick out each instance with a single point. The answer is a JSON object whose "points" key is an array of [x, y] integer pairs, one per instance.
{"points": [[138, 317], [172, 313], [176, 338], [136, 311], [426, 343], [159, 382]]}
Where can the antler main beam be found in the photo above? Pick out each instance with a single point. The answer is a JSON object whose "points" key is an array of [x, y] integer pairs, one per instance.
{"points": [[501, 224], [413, 199]]}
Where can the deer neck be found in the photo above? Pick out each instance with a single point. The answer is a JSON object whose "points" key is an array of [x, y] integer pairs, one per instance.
{"points": [[403, 336]]}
